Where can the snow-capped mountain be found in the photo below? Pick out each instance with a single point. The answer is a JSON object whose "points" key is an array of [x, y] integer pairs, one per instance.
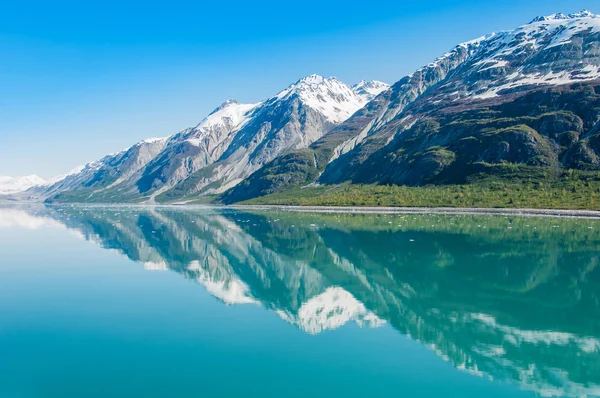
{"points": [[228, 145], [332, 98], [319, 129], [369, 89], [100, 176], [292, 119], [553, 50], [497, 69], [561, 16], [557, 52], [194, 149], [10, 185], [549, 51]]}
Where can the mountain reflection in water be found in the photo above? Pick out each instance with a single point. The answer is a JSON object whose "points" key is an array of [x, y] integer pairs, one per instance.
{"points": [[509, 298]]}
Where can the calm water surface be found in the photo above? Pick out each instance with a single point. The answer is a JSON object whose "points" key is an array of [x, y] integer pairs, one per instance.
{"points": [[163, 302]]}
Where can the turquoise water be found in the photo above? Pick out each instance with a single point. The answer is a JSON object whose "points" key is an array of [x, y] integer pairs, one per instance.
{"points": [[164, 302]]}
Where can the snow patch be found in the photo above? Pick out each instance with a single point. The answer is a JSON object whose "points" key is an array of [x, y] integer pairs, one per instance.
{"points": [[517, 336], [231, 115], [334, 308], [230, 291]]}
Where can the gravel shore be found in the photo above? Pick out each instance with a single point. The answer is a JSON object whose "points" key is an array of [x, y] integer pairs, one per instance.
{"points": [[426, 210]]}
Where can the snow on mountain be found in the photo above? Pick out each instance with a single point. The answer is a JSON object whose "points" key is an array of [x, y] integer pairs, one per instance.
{"points": [[369, 89], [553, 50], [10, 185], [544, 35], [228, 145], [292, 119], [332, 309], [154, 140], [194, 149], [500, 67], [107, 172], [227, 288], [557, 50], [230, 117], [334, 99], [71, 180], [561, 16]]}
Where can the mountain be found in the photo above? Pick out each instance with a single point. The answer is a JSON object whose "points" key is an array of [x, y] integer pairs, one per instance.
{"points": [[99, 177], [526, 97], [227, 146], [516, 105], [369, 89], [10, 185]]}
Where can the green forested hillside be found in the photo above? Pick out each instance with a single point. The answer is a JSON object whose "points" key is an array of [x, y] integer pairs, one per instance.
{"points": [[521, 187], [541, 149]]}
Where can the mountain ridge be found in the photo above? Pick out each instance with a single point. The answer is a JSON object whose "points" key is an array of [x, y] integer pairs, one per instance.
{"points": [[506, 99], [222, 149]]}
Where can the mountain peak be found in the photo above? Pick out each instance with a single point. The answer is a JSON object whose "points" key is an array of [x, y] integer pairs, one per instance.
{"points": [[224, 105], [329, 96], [315, 78], [369, 89], [311, 81], [560, 16], [230, 113]]}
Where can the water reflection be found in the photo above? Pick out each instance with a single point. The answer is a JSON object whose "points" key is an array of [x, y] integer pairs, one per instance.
{"points": [[509, 298]]}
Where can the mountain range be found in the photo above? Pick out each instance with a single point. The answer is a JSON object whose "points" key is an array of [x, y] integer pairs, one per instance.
{"points": [[526, 98], [227, 146]]}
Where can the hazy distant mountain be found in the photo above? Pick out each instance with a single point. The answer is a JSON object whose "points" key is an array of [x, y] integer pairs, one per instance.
{"points": [[227, 146], [10, 185], [529, 96]]}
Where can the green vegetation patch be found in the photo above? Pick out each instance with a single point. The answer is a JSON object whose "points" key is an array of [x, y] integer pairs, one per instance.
{"points": [[498, 186]]}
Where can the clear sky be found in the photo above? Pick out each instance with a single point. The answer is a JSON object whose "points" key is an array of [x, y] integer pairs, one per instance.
{"points": [[81, 80]]}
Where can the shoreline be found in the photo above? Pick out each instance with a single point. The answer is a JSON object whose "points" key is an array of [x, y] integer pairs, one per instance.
{"points": [[426, 210], [590, 214]]}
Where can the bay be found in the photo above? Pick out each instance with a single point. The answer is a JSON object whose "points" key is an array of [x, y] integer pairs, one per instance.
{"points": [[207, 302]]}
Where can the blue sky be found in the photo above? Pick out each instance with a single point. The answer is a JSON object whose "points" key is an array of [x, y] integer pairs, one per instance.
{"points": [[78, 80]]}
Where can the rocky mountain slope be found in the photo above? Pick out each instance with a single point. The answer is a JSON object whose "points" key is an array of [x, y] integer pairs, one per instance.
{"points": [[228, 145], [522, 97]]}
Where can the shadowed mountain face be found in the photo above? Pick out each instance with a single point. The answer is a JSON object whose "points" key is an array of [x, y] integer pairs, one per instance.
{"points": [[514, 299]]}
